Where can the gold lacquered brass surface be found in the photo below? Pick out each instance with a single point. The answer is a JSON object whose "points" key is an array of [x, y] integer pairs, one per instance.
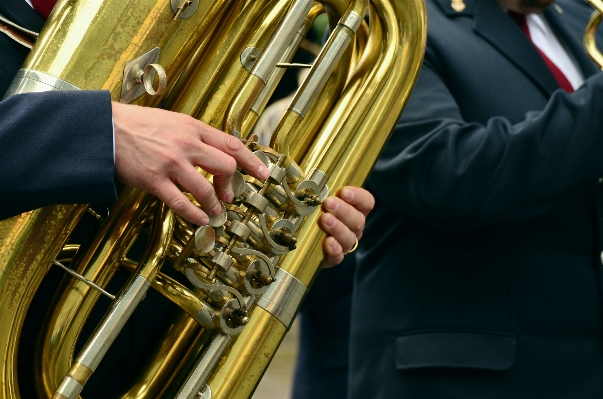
{"points": [[73, 306], [591, 31], [244, 362], [87, 43], [208, 95], [27, 247], [346, 148]]}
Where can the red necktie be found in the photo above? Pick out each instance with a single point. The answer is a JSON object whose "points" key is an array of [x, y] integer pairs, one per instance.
{"points": [[520, 20], [43, 7]]}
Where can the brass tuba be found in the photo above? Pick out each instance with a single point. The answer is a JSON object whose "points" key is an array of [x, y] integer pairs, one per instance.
{"points": [[218, 61], [590, 33]]}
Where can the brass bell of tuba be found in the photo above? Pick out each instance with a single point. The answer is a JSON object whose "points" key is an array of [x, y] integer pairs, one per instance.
{"points": [[248, 271]]}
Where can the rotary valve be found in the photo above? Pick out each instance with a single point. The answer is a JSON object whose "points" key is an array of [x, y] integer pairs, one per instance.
{"points": [[233, 260]]}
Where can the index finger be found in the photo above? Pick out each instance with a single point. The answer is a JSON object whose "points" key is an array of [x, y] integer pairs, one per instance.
{"points": [[358, 197], [233, 147]]}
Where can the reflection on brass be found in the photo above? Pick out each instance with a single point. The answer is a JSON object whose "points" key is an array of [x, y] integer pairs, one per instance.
{"points": [[84, 280], [591, 31], [19, 34], [246, 277], [293, 66]]}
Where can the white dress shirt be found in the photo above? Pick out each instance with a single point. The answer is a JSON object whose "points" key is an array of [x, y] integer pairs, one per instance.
{"points": [[544, 38]]}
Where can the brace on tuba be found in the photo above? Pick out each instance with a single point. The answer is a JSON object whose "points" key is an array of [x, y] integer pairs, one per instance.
{"points": [[249, 269]]}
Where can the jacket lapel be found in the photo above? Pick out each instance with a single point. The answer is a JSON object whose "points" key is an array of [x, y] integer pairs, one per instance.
{"points": [[22, 14], [491, 23]]}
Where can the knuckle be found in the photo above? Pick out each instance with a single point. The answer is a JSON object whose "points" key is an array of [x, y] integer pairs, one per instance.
{"points": [[178, 204], [191, 123], [221, 183], [171, 159], [205, 192], [359, 225], [230, 164], [186, 141], [232, 144]]}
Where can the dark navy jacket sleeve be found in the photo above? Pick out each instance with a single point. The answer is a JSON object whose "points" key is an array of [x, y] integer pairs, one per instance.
{"points": [[55, 147], [447, 171], [454, 162]]}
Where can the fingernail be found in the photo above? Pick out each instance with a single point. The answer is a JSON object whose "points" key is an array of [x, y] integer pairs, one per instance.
{"points": [[329, 220], [333, 245], [347, 194], [203, 221], [263, 172], [216, 210], [331, 204]]}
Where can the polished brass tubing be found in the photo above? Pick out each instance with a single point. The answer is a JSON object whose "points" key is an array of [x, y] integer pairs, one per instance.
{"points": [[163, 362], [349, 157], [82, 374], [207, 86], [187, 362], [223, 78], [281, 39], [302, 131], [75, 300], [87, 43], [598, 4], [265, 65], [46, 230], [206, 364], [198, 309], [387, 86], [68, 252], [181, 296], [308, 93], [316, 80], [362, 38], [591, 31], [277, 74], [84, 44], [122, 308], [237, 377], [96, 348], [262, 98]]}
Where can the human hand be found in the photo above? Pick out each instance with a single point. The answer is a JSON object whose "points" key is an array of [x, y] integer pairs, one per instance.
{"points": [[157, 150], [343, 221]]}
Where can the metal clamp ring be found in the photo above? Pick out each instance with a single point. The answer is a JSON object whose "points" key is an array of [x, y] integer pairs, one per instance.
{"points": [[149, 74]]}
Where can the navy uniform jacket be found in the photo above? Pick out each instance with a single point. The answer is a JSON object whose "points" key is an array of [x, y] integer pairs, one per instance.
{"points": [[480, 274], [55, 147], [324, 321]]}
